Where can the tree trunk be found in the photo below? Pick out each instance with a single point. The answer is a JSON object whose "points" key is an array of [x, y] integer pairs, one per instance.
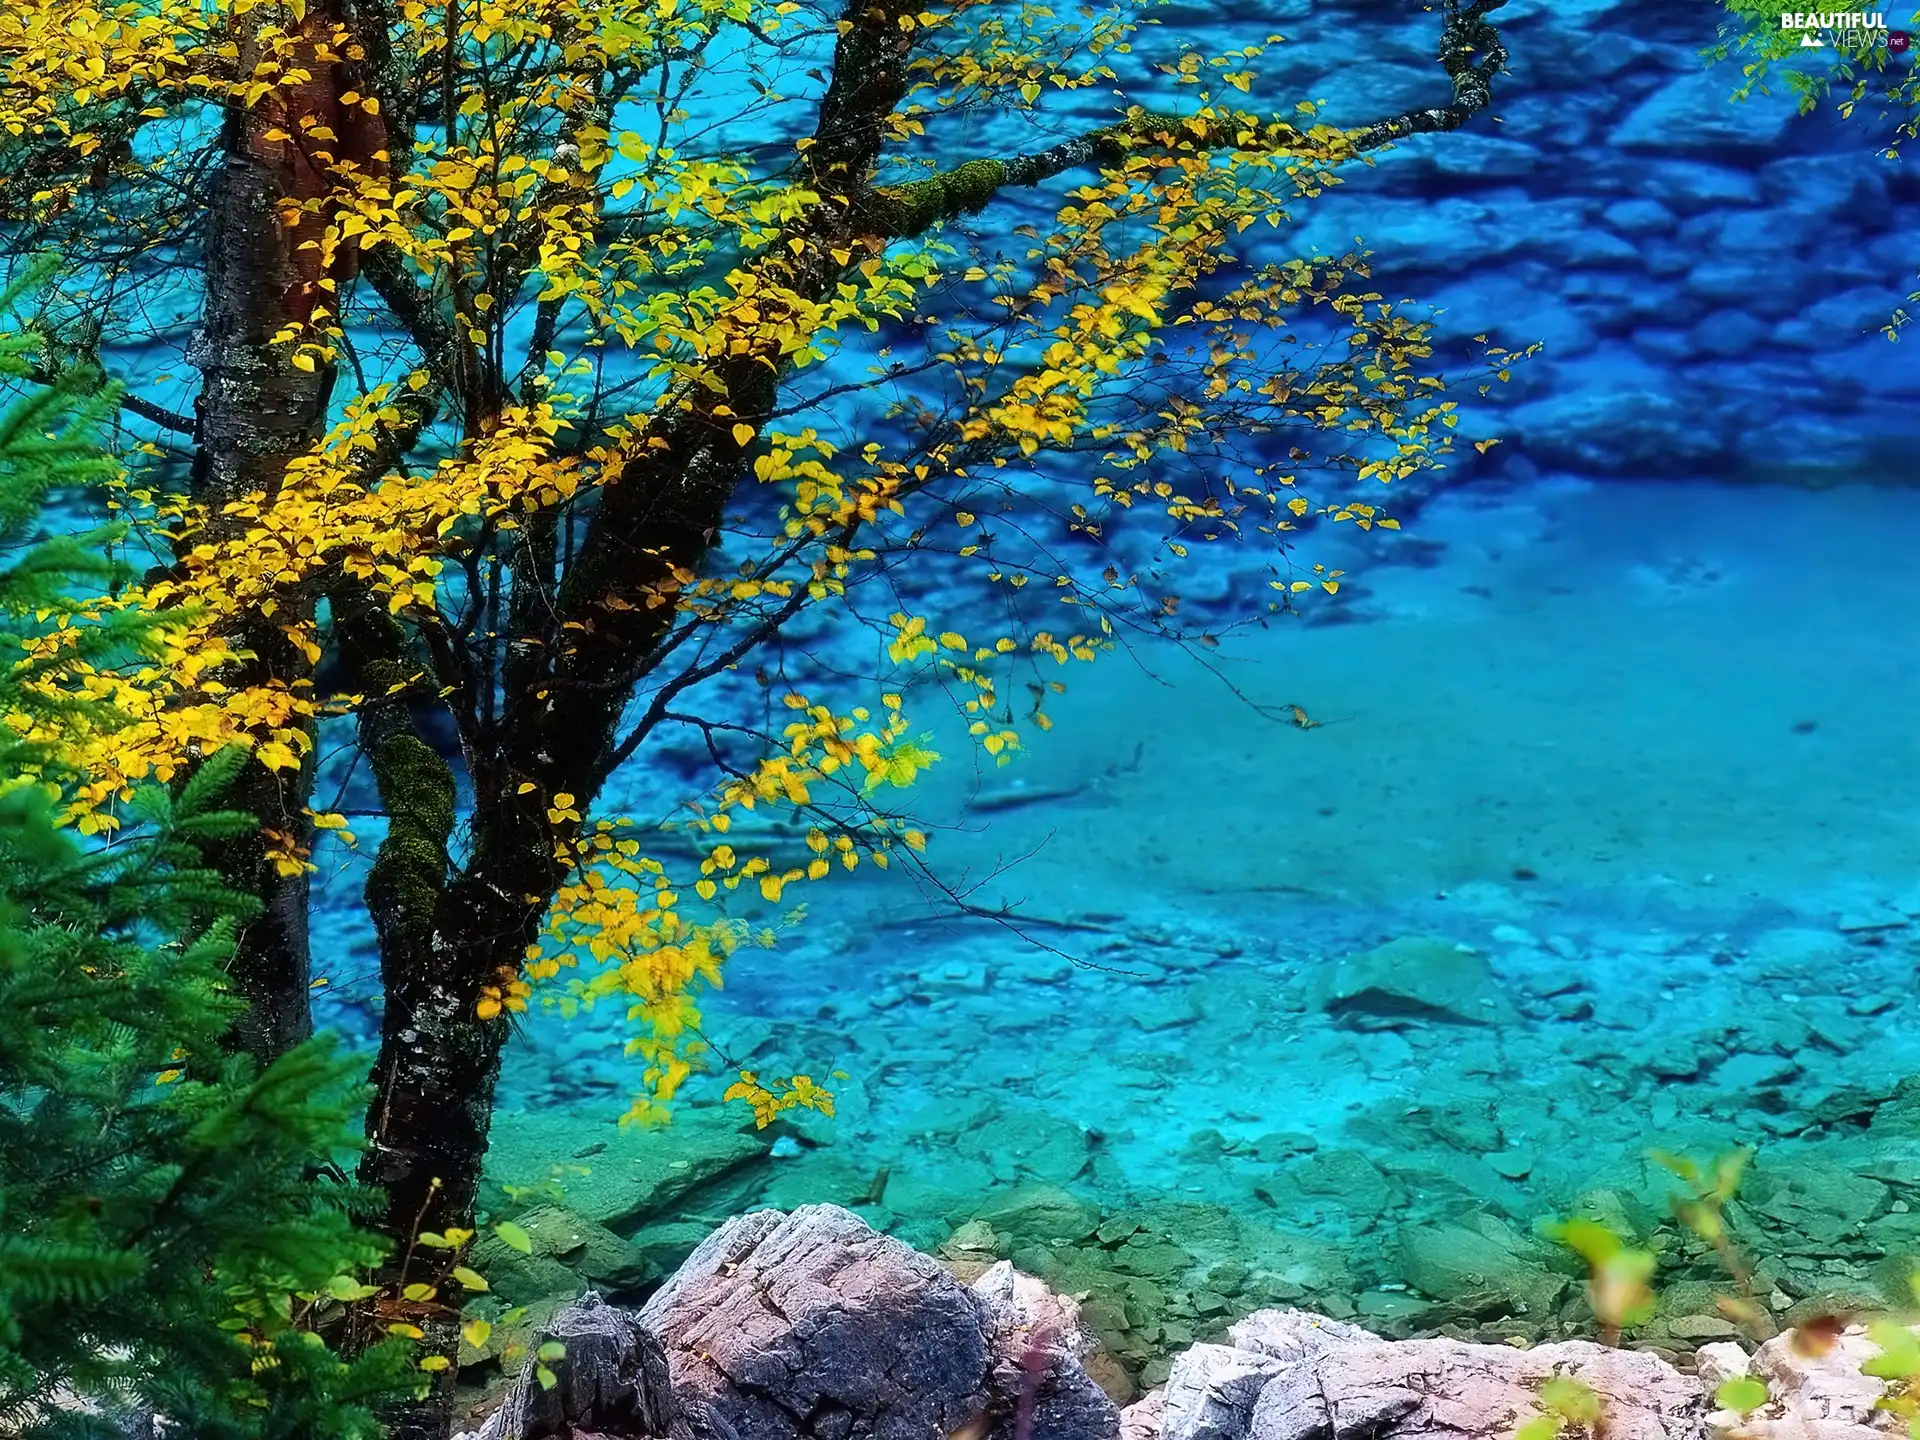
{"points": [[255, 412]]}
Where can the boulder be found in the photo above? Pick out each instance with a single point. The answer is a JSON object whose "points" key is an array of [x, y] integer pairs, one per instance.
{"points": [[1146, 1418], [1318, 1379], [1211, 1391], [1824, 1395], [1447, 1389], [622, 1177], [1466, 1266], [1295, 1334], [1035, 1346], [810, 1325], [613, 1381]]}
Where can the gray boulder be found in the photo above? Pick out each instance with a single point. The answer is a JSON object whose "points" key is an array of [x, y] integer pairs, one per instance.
{"points": [[1447, 1389], [1211, 1392], [1315, 1379], [1035, 1345], [811, 1324], [613, 1381]]}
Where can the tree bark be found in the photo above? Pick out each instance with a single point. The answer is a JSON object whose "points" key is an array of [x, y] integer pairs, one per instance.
{"points": [[255, 411]]}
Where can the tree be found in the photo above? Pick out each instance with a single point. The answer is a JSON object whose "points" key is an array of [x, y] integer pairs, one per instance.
{"points": [[559, 358], [166, 1239]]}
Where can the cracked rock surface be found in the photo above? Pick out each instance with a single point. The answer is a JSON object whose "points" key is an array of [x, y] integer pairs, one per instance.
{"points": [[1294, 1376], [811, 1324]]}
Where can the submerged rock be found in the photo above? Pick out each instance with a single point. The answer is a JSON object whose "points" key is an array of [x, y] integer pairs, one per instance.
{"points": [[621, 1177], [1476, 1270], [1415, 978]]}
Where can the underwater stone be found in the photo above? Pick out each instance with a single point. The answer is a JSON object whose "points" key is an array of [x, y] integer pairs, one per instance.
{"points": [[1639, 216], [1030, 1214], [1693, 187], [1453, 1262], [1693, 114], [1415, 978], [1513, 1164], [631, 1174]]}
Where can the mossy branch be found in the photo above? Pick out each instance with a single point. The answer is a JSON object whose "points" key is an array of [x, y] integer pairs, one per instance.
{"points": [[1471, 53]]}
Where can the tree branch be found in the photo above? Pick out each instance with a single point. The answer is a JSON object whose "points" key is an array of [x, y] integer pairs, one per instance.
{"points": [[1471, 52]]}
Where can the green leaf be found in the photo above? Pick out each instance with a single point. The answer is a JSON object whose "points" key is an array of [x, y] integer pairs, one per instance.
{"points": [[546, 1377], [1540, 1427], [551, 1351], [512, 1236], [1741, 1394], [1571, 1399], [1899, 1355], [472, 1279], [346, 1289]]}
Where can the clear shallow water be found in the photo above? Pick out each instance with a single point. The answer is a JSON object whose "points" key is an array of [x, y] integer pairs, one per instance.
{"points": [[1645, 749]]}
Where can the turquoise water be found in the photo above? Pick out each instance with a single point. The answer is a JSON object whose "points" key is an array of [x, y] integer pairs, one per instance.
{"points": [[1646, 750]]}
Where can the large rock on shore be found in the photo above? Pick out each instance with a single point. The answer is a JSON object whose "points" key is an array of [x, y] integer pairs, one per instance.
{"points": [[811, 1324], [1294, 1376]]}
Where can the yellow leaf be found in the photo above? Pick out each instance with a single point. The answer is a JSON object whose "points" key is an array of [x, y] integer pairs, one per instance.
{"points": [[477, 1332], [743, 434], [276, 756], [472, 1279], [434, 1362]]}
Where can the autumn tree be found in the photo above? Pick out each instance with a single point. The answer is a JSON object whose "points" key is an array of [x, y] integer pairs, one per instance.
{"points": [[557, 360]]}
